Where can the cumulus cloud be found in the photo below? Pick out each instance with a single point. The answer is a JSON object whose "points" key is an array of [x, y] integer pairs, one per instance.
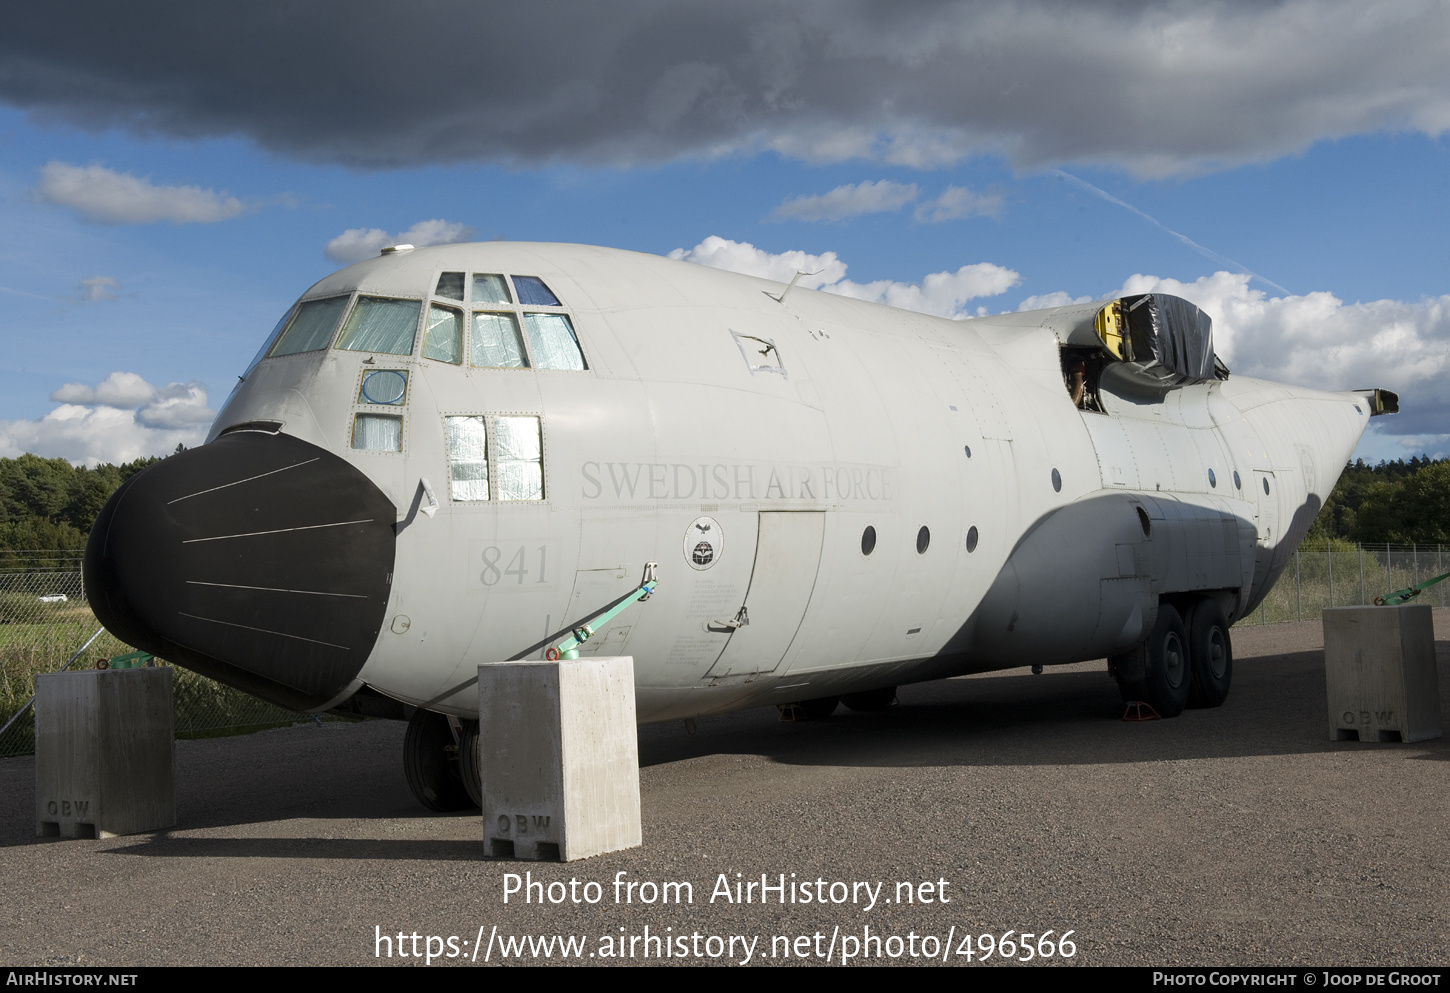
{"points": [[121, 418], [97, 289], [103, 196], [1058, 298], [1155, 87], [880, 197], [1319, 340], [957, 203], [356, 244], [943, 294]]}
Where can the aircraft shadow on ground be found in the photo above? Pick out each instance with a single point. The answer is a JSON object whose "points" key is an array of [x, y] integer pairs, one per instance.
{"points": [[1278, 707]]}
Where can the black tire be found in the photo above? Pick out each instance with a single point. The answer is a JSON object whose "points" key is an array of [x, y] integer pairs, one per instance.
{"points": [[468, 762], [1158, 672], [1210, 653], [430, 761], [819, 709], [871, 700]]}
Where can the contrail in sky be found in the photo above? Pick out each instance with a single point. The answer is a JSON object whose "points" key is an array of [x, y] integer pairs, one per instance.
{"points": [[1207, 253]]}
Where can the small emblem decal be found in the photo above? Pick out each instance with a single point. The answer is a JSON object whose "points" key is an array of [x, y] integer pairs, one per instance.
{"points": [[704, 543]]}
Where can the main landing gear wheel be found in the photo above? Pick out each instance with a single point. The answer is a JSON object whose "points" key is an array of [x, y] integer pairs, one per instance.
{"points": [[871, 700], [1157, 672], [1210, 653], [430, 761]]}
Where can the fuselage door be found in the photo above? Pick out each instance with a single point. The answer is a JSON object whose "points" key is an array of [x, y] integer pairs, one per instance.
{"points": [[787, 557]]}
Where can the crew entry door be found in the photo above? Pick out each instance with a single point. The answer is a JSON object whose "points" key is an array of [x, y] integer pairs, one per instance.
{"points": [[787, 557]]}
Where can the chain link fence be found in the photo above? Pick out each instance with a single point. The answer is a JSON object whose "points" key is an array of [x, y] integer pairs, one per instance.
{"points": [[44, 620], [1342, 574]]}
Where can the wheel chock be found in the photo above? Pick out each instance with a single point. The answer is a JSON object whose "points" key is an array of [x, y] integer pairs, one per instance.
{"points": [[1137, 710]]}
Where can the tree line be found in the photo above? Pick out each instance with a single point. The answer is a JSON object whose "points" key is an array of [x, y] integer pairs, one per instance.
{"points": [[1402, 502], [48, 505]]}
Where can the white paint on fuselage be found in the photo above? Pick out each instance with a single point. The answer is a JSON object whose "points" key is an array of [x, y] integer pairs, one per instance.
{"points": [[869, 425]]}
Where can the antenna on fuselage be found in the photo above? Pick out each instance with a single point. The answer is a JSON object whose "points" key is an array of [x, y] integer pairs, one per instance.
{"points": [[794, 279]]}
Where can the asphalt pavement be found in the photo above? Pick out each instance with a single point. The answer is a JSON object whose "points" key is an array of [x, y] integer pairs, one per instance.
{"points": [[1004, 804]]}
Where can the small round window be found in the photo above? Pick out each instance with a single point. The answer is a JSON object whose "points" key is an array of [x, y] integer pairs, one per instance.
{"points": [[968, 450], [1266, 486], [1056, 481], [972, 538], [1212, 479], [868, 540], [923, 539], [1238, 483]]}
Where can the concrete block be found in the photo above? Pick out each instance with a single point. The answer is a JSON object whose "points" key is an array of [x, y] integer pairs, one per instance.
{"points": [[104, 747], [1379, 664], [558, 758]]}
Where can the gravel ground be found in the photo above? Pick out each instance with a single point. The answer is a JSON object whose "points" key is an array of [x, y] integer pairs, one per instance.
{"points": [[1240, 835]]}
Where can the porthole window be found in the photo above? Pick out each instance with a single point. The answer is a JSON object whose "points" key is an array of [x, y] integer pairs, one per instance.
{"points": [[1238, 483], [1212, 480], [385, 386], [1266, 486], [972, 538], [1056, 481], [868, 540], [968, 450], [923, 539]]}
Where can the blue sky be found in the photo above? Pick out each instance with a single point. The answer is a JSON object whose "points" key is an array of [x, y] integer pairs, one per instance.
{"points": [[153, 239]]}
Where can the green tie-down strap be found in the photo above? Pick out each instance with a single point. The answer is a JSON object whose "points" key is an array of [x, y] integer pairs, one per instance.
{"points": [[131, 660], [1406, 595]]}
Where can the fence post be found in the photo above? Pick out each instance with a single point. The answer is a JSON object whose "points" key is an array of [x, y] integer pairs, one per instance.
{"points": [[1298, 590], [1329, 560], [1361, 573]]}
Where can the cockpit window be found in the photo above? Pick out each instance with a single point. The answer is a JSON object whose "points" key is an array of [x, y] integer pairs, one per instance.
{"points": [[496, 341], [553, 342], [311, 326], [490, 289], [378, 324], [450, 285], [533, 292], [443, 339]]}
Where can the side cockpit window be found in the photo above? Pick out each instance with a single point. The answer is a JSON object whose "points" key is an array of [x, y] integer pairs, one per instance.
{"points": [[553, 342], [311, 326], [443, 338], [533, 292]]}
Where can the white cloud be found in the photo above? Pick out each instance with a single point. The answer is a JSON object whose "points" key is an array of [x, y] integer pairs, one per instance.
{"points": [[882, 196], [103, 196], [1318, 340], [98, 288], [1057, 298], [959, 202], [356, 244], [121, 418], [741, 256], [940, 293]]}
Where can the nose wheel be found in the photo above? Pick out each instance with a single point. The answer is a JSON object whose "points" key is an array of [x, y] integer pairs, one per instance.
{"points": [[433, 764]]}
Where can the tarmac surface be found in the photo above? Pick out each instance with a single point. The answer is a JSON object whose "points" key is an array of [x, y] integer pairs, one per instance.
{"points": [[1240, 835]]}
